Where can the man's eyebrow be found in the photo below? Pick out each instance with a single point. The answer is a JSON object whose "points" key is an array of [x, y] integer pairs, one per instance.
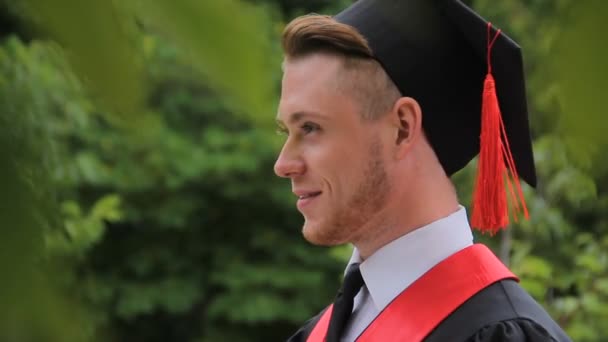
{"points": [[299, 116]]}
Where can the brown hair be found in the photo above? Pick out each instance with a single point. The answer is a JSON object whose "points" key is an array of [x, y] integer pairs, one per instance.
{"points": [[366, 80], [315, 33]]}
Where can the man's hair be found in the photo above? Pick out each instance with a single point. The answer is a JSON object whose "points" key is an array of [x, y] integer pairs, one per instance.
{"points": [[362, 76]]}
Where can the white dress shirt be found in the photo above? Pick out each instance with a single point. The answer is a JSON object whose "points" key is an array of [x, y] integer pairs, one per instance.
{"points": [[395, 266]]}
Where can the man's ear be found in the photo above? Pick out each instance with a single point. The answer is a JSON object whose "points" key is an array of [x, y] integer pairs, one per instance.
{"points": [[407, 120]]}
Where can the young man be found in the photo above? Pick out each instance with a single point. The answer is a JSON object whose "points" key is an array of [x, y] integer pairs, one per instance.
{"points": [[381, 104]]}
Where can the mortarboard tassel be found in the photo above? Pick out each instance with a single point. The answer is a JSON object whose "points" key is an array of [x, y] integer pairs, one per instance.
{"points": [[490, 205]]}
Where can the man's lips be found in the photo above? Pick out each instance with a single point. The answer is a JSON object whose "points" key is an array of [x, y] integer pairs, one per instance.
{"points": [[306, 197], [309, 195]]}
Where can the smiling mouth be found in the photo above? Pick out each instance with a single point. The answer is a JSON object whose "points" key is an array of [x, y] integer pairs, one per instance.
{"points": [[307, 199]]}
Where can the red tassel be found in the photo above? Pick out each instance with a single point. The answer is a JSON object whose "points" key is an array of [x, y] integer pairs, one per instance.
{"points": [[490, 204]]}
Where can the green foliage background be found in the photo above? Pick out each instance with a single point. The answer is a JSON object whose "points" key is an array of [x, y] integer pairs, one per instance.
{"points": [[138, 201]]}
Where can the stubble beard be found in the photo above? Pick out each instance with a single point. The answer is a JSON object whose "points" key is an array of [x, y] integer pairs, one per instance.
{"points": [[352, 219]]}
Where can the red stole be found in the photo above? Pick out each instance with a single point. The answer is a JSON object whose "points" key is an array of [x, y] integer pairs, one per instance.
{"points": [[430, 299]]}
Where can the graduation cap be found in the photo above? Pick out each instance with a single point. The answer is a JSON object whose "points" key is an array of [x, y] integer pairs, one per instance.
{"points": [[468, 78]]}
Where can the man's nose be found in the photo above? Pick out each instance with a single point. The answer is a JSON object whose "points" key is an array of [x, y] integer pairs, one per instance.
{"points": [[289, 164]]}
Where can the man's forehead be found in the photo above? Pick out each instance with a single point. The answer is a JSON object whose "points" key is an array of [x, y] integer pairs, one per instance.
{"points": [[307, 81]]}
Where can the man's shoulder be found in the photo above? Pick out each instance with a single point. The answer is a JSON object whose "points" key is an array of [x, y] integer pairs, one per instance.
{"points": [[501, 312]]}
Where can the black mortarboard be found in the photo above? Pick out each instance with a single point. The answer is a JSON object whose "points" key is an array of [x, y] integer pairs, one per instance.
{"points": [[436, 51]]}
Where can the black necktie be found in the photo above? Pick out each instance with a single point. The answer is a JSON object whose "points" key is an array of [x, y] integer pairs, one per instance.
{"points": [[343, 305]]}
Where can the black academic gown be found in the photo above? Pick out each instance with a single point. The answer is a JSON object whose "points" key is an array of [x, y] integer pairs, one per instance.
{"points": [[501, 312]]}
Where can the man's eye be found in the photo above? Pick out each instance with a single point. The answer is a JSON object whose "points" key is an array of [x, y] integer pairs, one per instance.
{"points": [[309, 127]]}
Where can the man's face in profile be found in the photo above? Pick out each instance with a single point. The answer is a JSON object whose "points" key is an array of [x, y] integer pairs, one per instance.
{"points": [[334, 158]]}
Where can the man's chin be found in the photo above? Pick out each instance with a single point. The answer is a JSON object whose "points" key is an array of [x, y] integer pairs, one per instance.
{"points": [[321, 235]]}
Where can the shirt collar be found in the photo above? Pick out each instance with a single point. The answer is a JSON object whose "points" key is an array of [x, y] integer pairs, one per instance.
{"points": [[395, 266]]}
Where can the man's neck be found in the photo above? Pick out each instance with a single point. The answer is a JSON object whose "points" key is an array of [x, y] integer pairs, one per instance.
{"points": [[406, 214], [386, 233]]}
